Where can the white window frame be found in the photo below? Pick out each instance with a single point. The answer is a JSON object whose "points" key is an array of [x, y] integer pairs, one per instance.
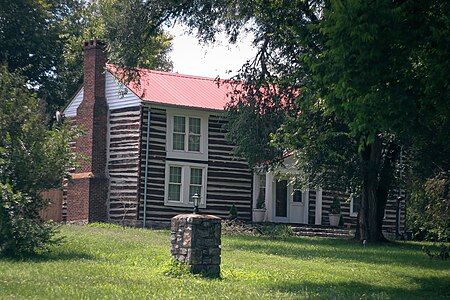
{"points": [[257, 187], [186, 154], [185, 183]]}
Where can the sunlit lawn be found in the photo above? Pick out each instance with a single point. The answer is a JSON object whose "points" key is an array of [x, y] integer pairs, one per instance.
{"points": [[116, 263]]}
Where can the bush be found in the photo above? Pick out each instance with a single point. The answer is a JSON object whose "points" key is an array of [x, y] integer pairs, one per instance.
{"points": [[336, 206], [32, 159], [22, 231], [277, 231], [429, 209]]}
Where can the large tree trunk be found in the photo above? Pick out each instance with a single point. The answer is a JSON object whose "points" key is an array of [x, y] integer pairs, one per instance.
{"points": [[378, 166]]}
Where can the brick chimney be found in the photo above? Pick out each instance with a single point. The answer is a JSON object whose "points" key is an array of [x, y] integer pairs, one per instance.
{"points": [[87, 192]]}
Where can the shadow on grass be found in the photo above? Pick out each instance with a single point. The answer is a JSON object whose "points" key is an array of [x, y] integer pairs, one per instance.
{"points": [[342, 249], [50, 256], [425, 288]]}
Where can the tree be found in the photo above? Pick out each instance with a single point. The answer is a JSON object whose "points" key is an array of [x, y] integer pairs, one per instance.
{"points": [[374, 72], [371, 74], [32, 159], [43, 41]]}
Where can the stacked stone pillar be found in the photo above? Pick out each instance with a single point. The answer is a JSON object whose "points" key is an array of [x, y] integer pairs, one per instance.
{"points": [[196, 241]]}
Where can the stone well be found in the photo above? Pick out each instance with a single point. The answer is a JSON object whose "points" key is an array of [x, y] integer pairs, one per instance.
{"points": [[195, 241]]}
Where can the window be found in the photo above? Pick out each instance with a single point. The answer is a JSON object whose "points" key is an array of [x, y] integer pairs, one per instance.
{"points": [[179, 132], [355, 203], [187, 135], [183, 180], [175, 184], [297, 196], [183, 139], [261, 190], [196, 182], [194, 134]]}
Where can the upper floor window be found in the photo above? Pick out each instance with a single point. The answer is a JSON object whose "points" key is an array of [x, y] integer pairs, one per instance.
{"points": [[186, 139], [187, 136]]}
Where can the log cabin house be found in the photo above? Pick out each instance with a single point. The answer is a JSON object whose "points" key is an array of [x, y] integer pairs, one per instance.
{"points": [[153, 145]]}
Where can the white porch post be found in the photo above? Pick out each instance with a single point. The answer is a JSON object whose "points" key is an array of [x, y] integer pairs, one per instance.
{"points": [[269, 198], [318, 220], [306, 207]]}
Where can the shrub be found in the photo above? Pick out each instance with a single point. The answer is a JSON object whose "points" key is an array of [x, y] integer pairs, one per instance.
{"points": [[429, 209], [277, 231], [175, 268], [336, 206], [22, 232], [233, 215], [32, 159]]}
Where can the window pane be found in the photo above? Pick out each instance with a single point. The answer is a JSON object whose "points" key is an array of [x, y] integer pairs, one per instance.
{"points": [[194, 189], [262, 180], [179, 124], [175, 175], [297, 197], [178, 141], [174, 192], [196, 176], [194, 125], [194, 143]]}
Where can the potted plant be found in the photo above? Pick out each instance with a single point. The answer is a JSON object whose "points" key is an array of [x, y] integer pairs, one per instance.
{"points": [[260, 211], [335, 212]]}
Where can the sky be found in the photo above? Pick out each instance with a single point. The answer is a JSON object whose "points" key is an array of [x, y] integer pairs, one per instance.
{"points": [[191, 58]]}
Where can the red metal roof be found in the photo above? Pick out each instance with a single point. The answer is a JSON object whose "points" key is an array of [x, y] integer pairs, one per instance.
{"points": [[177, 89]]}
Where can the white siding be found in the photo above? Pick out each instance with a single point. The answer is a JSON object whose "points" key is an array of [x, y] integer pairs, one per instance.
{"points": [[71, 109], [118, 96]]}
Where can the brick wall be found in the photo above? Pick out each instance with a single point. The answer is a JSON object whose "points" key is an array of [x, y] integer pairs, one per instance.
{"points": [[87, 193]]}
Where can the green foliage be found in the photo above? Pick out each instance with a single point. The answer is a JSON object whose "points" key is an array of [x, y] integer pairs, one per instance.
{"points": [[32, 159], [105, 225], [54, 67], [277, 231], [335, 206], [30, 41], [328, 154], [233, 214], [175, 268], [22, 232], [429, 209]]}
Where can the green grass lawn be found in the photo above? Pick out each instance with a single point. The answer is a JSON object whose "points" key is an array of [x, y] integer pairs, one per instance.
{"points": [[116, 263]]}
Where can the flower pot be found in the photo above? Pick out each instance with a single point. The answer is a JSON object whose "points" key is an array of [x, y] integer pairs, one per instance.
{"points": [[334, 219], [258, 215]]}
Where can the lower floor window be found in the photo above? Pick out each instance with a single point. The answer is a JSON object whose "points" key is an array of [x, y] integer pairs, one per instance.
{"points": [[183, 181]]}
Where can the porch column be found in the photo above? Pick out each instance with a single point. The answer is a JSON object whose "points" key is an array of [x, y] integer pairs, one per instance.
{"points": [[318, 220], [269, 197]]}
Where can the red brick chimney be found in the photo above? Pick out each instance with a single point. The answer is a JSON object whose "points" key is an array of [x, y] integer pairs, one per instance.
{"points": [[87, 192]]}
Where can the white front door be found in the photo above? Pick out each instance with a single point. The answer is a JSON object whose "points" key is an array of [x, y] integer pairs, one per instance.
{"points": [[298, 206], [290, 205]]}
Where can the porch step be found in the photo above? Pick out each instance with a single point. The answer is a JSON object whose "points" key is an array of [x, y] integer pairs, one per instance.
{"points": [[321, 231]]}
